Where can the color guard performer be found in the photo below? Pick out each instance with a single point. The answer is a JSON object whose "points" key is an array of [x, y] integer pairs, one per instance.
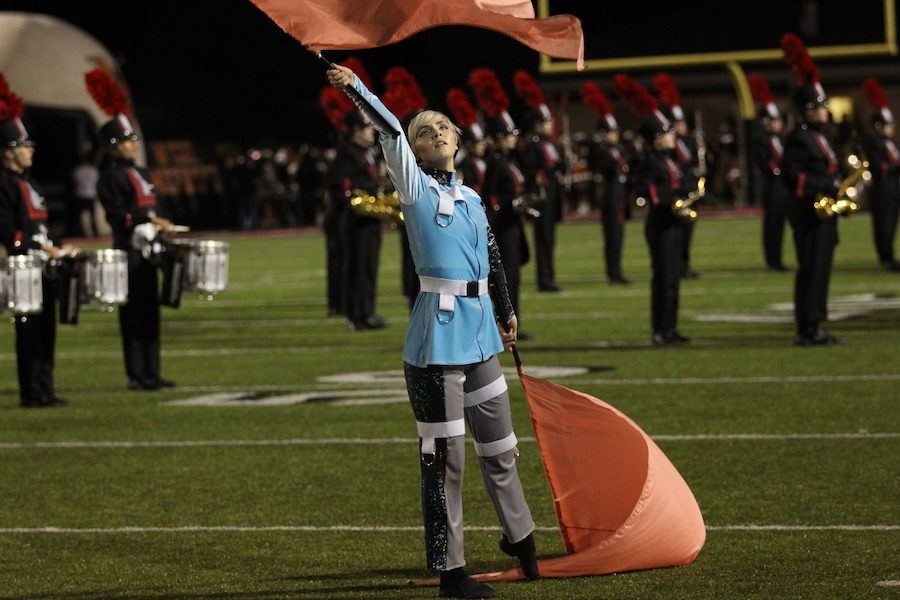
{"points": [[607, 159], [768, 149], [884, 164], [127, 194], [660, 180], [543, 168], [452, 373], [810, 167], [23, 230]]}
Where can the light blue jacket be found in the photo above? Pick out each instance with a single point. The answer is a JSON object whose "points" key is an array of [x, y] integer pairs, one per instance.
{"points": [[446, 246]]}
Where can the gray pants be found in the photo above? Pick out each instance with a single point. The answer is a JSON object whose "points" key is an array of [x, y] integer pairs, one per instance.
{"points": [[444, 399]]}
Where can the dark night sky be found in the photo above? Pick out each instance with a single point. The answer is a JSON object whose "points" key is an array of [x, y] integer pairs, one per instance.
{"points": [[221, 69]]}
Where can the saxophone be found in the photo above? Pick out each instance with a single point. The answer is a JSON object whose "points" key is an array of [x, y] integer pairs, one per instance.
{"points": [[682, 207], [382, 205], [844, 202]]}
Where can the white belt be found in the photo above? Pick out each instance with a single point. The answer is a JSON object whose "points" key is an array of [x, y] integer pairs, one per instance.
{"points": [[450, 288]]}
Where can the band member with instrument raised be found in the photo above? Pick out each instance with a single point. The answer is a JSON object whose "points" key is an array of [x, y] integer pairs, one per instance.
{"points": [[768, 149], [810, 168], [608, 160], [23, 230], [543, 168], [884, 162], [452, 373], [127, 195], [660, 181]]}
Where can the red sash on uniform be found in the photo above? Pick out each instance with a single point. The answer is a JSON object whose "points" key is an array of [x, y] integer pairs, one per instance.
{"points": [[34, 202], [143, 190]]}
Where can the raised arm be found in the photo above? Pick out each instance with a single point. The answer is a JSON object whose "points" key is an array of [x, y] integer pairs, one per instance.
{"points": [[408, 178]]}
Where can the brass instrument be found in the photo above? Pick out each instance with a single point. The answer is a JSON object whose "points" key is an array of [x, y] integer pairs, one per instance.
{"points": [[382, 205], [682, 207], [844, 202]]}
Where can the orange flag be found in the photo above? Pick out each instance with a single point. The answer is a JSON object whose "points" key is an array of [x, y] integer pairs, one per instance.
{"points": [[353, 25], [620, 503]]}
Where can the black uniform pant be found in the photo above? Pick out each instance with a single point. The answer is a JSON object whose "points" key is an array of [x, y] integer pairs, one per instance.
{"points": [[545, 243], [612, 213], [334, 265], [139, 322], [885, 207], [511, 244], [814, 241], [363, 247], [774, 203], [665, 238], [35, 344], [687, 234]]}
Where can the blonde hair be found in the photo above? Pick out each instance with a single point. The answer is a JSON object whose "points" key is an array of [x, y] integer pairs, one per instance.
{"points": [[428, 116]]}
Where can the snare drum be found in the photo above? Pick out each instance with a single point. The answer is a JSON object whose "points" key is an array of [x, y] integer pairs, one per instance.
{"points": [[207, 266], [106, 277], [22, 284]]}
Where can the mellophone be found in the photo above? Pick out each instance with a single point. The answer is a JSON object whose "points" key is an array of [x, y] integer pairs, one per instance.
{"points": [[100, 277]]}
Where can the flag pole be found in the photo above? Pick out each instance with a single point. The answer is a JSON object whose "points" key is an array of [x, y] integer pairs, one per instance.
{"points": [[380, 122]]}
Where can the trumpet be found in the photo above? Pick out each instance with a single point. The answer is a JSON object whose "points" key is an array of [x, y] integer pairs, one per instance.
{"points": [[381, 205], [844, 202], [682, 207]]}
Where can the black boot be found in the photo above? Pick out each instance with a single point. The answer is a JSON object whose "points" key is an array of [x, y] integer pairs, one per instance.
{"points": [[525, 552], [457, 584]]}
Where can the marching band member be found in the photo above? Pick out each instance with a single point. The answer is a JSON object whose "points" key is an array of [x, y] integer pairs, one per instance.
{"points": [[453, 375], [810, 167], [607, 159], [542, 166], [661, 181], [768, 150], [128, 197], [685, 153], [504, 188], [23, 230], [884, 164]]}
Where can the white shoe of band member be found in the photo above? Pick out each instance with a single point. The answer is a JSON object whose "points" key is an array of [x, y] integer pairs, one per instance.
{"points": [[431, 431], [450, 288]]}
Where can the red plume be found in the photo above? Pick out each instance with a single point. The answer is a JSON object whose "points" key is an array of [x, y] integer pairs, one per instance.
{"points": [[667, 90], [488, 92], [759, 87], [795, 54], [528, 89], [403, 94], [335, 103], [594, 98], [463, 112], [874, 93], [355, 65], [638, 98], [106, 93], [11, 105]]}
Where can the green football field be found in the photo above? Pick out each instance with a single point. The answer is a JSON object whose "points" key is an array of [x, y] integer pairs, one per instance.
{"points": [[285, 463]]}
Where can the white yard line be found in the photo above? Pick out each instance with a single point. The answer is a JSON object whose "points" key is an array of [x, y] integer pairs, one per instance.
{"points": [[397, 440], [397, 528]]}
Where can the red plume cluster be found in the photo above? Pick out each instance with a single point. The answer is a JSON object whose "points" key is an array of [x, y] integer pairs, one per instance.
{"points": [[403, 94], [106, 93], [335, 103], [795, 54], [463, 112], [355, 65], [596, 99], [11, 106], [488, 92], [528, 89], [667, 90], [874, 93], [638, 98], [759, 88]]}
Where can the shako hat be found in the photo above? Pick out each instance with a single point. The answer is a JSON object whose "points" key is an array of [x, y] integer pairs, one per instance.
{"points": [[762, 93], [642, 103], [11, 127], [493, 102], [809, 93], [882, 115], [111, 100], [597, 100], [528, 89], [464, 115], [669, 96]]}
